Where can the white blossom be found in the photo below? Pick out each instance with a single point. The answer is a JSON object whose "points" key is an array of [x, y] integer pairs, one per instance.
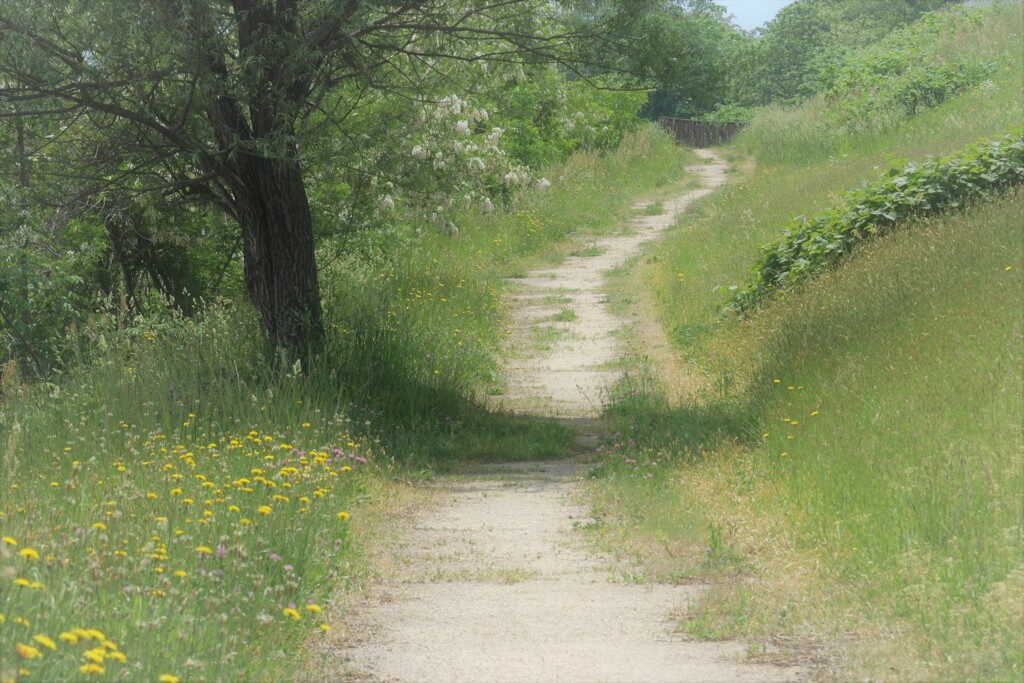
{"points": [[488, 206], [462, 127], [543, 184]]}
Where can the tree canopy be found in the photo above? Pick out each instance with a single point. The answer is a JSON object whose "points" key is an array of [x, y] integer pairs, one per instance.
{"points": [[216, 102]]}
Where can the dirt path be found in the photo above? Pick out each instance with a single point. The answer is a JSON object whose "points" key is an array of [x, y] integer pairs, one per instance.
{"points": [[492, 585], [569, 378]]}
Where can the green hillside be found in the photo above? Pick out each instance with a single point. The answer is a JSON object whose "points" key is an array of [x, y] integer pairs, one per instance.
{"points": [[850, 452]]}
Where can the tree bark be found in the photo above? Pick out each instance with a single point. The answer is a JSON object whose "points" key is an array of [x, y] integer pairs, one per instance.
{"points": [[279, 254]]}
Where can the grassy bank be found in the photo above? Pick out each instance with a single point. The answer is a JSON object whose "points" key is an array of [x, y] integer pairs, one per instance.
{"points": [[178, 509], [844, 466]]}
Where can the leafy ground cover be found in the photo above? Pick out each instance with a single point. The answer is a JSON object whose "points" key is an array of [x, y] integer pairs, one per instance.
{"points": [[810, 246]]}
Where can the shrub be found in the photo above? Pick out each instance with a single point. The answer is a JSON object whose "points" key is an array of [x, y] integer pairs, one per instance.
{"points": [[810, 246]]}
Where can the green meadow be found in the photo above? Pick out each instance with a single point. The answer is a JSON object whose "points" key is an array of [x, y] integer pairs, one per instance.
{"points": [[843, 464]]}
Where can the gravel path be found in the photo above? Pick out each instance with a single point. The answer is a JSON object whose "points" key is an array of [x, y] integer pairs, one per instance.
{"points": [[492, 585]]}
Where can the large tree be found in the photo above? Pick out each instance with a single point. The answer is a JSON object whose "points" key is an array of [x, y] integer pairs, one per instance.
{"points": [[207, 100]]}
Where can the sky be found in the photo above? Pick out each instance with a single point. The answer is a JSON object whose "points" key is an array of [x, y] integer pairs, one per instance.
{"points": [[750, 14]]}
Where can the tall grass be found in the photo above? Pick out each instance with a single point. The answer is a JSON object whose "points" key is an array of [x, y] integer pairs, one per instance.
{"points": [[811, 134], [177, 508], [867, 476], [172, 498], [851, 469]]}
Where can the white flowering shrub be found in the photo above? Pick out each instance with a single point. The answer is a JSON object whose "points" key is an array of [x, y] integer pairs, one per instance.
{"points": [[548, 117], [421, 161], [452, 158]]}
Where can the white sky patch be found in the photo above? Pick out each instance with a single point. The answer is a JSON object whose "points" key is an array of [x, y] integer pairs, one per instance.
{"points": [[749, 14]]}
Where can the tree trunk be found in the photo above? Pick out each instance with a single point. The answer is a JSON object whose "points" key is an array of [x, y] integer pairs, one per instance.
{"points": [[280, 260]]}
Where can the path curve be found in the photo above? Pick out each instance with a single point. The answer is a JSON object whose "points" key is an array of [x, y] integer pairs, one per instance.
{"points": [[572, 377], [494, 585]]}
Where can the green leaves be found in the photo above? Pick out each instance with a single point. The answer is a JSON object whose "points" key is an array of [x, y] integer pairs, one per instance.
{"points": [[812, 246]]}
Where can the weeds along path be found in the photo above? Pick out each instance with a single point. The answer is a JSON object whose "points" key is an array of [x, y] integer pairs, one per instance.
{"points": [[490, 584]]}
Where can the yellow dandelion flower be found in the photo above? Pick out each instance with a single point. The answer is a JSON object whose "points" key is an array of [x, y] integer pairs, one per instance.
{"points": [[118, 656], [315, 609], [27, 651], [264, 509], [181, 573], [204, 550], [99, 526], [68, 637], [291, 613], [29, 553], [92, 668], [343, 516], [325, 627], [97, 655], [9, 541], [168, 678], [45, 641], [234, 508]]}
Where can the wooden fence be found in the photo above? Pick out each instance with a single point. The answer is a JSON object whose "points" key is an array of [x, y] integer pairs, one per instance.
{"points": [[700, 133]]}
